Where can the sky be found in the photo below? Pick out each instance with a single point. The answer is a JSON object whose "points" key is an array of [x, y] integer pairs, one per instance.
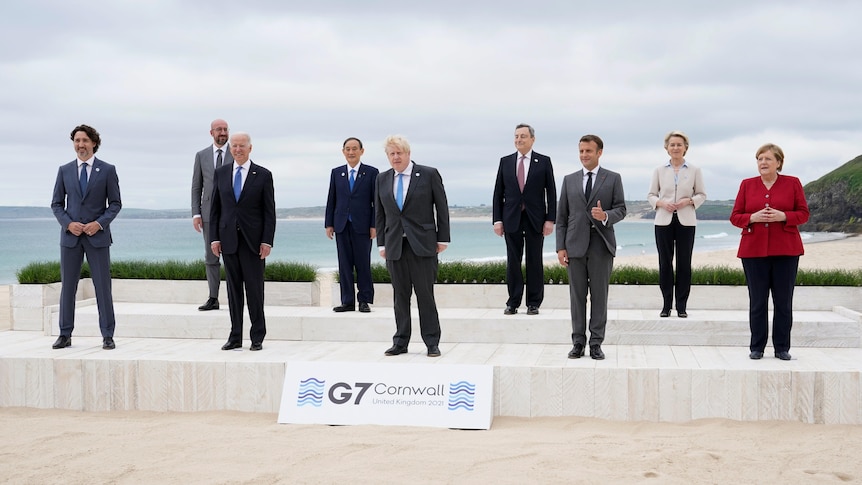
{"points": [[453, 77]]}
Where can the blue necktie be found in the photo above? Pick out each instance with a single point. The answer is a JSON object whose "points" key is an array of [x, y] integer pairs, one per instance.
{"points": [[237, 183], [399, 192], [83, 179], [352, 180]]}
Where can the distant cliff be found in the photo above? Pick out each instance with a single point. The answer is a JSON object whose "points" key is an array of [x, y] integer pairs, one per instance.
{"points": [[835, 200]]}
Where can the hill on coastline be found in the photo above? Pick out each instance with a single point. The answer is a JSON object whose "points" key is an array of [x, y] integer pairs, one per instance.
{"points": [[835, 200]]}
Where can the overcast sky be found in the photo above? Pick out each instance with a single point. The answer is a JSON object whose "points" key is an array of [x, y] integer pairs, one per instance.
{"points": [[454, 77]]}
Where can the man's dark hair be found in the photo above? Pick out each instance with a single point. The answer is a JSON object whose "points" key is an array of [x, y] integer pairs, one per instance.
{"points": [[595, 139], [352, 138], [92, 134]]}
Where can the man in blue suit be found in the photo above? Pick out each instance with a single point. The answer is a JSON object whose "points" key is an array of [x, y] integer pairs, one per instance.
{"points": [[350, 217], [242, 228], [86, 199]]}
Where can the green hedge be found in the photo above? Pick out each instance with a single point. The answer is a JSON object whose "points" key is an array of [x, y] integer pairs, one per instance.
{"points": [[49, 271], [459, 272]]}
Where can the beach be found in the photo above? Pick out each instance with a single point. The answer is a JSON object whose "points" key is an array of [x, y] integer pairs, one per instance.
{"points": [[70, 447]]}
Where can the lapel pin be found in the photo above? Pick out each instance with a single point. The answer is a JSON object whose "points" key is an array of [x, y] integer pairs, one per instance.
{"points": [[417, 174], [97, 169]]}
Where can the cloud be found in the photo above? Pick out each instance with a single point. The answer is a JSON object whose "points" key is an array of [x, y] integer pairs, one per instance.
{"points": [[454, 77]]}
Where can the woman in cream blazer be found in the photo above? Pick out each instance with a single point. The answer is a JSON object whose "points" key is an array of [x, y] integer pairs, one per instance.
{"points": [[675, 192]]}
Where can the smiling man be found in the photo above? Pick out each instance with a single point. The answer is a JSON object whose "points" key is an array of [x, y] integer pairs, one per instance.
{"points": [[86, 200]]}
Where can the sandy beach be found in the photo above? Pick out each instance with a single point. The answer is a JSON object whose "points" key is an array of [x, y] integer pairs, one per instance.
{"points": [[54, 446]]}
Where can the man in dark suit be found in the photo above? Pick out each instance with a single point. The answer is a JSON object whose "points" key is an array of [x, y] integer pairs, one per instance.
{"points": [[86, 199], [524, 204], [242, 232], [591, 202], [206, 161], [350, 217], [412, 228]]}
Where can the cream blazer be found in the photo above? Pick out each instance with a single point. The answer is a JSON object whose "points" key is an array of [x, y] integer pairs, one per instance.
{"points": [[663, 187]]}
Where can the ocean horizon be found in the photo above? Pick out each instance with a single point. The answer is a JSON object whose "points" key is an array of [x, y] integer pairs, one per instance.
{"points": [[304, 240]]}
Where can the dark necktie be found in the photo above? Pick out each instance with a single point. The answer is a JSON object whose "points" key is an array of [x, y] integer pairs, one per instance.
{"points": [[352, 178], [83, 179], [219, 160], [237, 183], [589, 188]]}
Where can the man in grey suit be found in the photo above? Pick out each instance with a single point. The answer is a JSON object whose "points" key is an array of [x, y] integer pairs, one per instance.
{"points": [[86, 199], [591, 202], [412, 218], [206, 161]]}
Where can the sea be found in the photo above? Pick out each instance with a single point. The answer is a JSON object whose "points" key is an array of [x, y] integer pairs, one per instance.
{"points": [[304, 240]]}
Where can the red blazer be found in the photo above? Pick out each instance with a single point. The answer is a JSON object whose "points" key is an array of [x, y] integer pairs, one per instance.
{"points": [[762, 239]]}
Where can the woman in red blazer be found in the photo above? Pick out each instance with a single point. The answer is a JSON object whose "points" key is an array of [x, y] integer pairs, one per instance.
{"points": [[769, 209]]}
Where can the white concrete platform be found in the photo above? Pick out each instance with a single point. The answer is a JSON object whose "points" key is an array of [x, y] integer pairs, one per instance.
{"points": [[838, 328], [635, 383]]}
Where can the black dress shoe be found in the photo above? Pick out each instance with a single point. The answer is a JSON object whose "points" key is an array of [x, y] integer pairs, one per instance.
{"points": [[664, 313], [510, 310], [231, 345], [783, 355], [532, 310], [364, 308], [681, 314], [395, 350], [62, 342], [211, 304], [433, 351], [108, 343], [344, 308], [256, 346], [577, 351], [596, 352], [755, 355]]}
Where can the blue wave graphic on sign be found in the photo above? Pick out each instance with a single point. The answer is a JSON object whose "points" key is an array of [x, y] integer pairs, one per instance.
{"points": [[462, 395], [310, 392]]}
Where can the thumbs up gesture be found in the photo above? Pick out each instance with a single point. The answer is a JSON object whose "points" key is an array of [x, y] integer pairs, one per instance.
{"points": [[597, 212]]}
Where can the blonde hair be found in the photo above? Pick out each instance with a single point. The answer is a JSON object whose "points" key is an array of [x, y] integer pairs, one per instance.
{"points": [[679, 134], [396, 141], [776, 150]]}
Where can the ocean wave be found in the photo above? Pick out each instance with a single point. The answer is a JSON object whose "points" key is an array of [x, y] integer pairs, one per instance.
{"points": [[718, 235]]}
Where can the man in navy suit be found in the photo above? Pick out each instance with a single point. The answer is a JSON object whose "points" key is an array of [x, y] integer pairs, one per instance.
{"points": [[206, 161], [350, 217], [524, 206], [86, 199], [242, 232], [412, 228]]}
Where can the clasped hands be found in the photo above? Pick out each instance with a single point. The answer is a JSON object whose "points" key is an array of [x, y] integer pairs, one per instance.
{"points": [[78, 228], [768, 214]]}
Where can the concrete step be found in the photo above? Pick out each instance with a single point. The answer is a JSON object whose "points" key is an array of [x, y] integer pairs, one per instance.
{"points": [[838, 328]]}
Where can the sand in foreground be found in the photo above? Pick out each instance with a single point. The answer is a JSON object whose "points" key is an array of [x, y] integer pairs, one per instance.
{"points": [[53, 446]]}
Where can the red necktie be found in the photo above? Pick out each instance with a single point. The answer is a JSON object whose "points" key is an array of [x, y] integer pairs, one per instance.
{"points": [[521, 177]]}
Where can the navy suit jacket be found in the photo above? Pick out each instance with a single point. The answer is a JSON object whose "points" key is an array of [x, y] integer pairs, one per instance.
{"points": [[101, 202], [358, 204], [539, 198], [424, 219], [253, 214]]}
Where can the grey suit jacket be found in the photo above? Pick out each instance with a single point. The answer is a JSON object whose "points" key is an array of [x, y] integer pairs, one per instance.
{"points": [[101, 202], [573, 211], [424, 218], [202, 180]]}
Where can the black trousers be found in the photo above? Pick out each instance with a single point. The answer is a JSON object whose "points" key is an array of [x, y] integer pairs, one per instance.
{"points": [[414, 273], [516, 242], [778, 275], [244, 269], [680, 238]]}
